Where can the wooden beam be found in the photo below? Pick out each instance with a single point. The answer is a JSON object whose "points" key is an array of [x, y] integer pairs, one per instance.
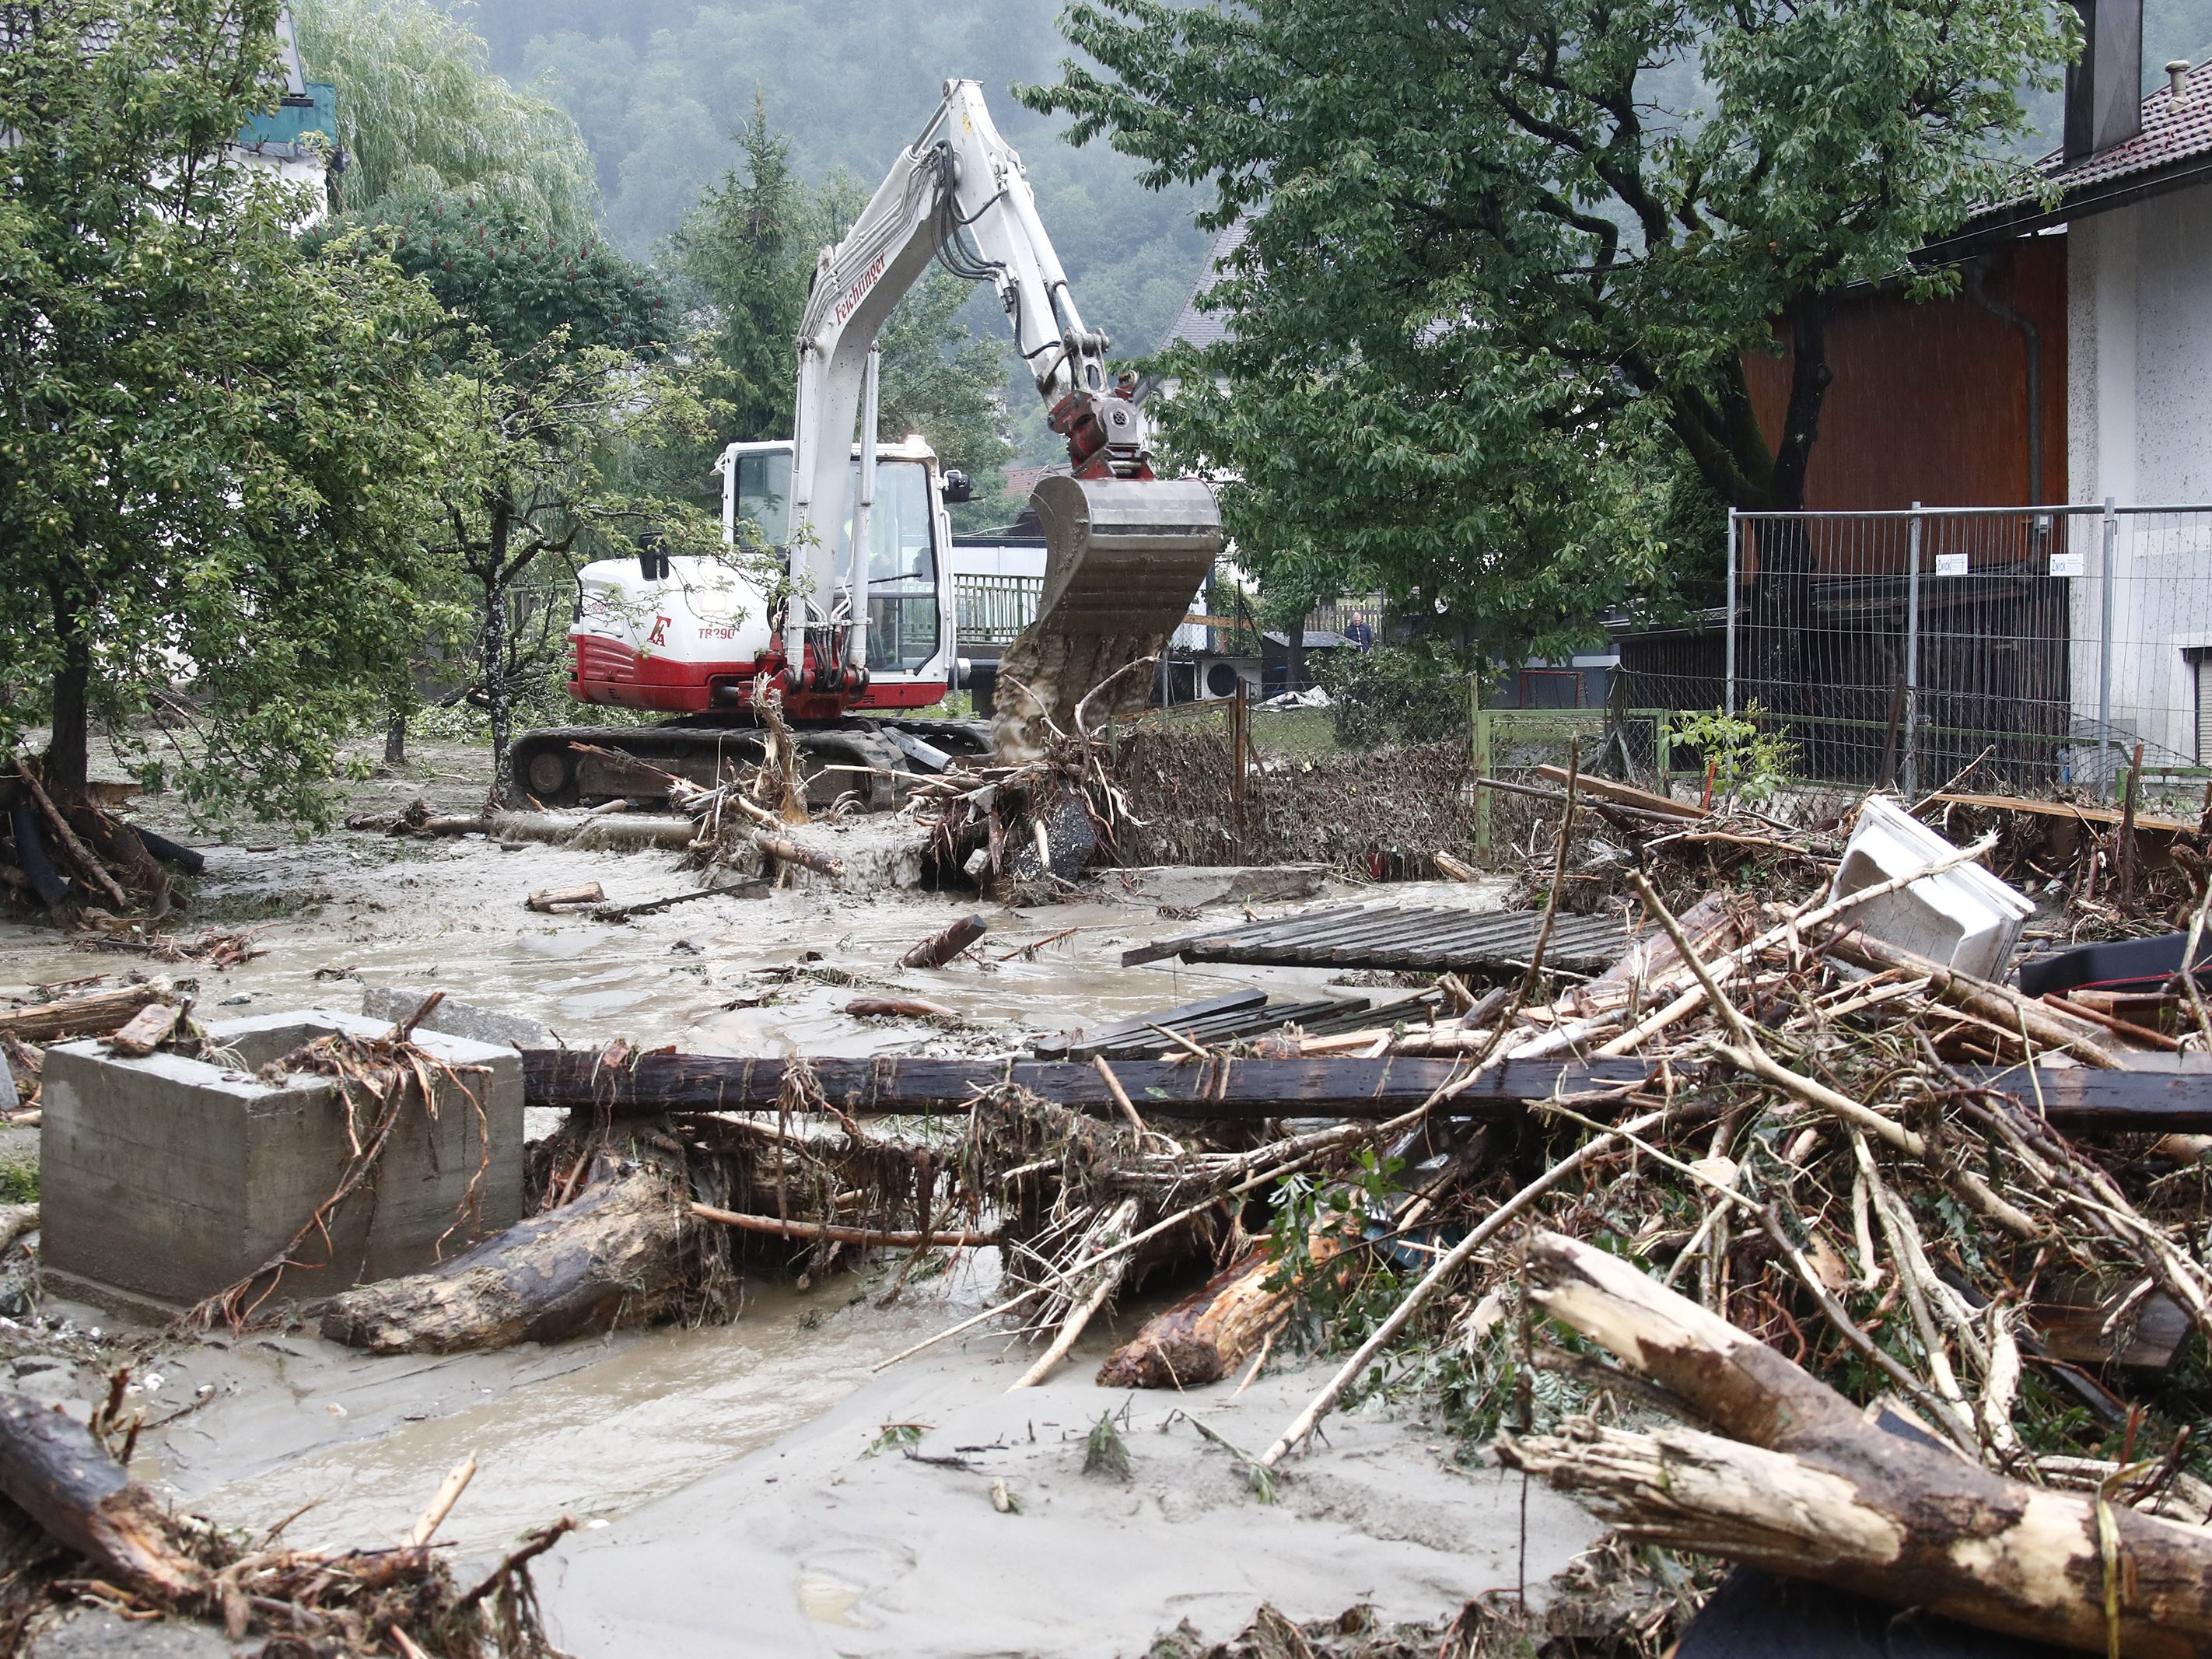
{"points": [[1220, 1090], [2156, 1100]]}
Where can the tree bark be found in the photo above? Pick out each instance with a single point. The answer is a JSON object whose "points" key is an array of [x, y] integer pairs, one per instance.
{"points": [[612, 1258], [395, 740], [1209, 1334], [56, 1470], [1820, 1492], [492, 665], [68, 758]]}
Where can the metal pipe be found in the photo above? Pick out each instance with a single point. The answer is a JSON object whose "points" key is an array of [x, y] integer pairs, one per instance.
{"points": [[1912, 661], [2104, 643], [1727, 702], [856, 632]]}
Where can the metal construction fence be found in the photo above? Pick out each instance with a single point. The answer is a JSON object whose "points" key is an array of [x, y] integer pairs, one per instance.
{"points": [[2052, 646]]}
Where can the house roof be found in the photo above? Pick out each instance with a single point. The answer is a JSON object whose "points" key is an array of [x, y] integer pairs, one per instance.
{"points": [[2174, 149], [1191, 326]]}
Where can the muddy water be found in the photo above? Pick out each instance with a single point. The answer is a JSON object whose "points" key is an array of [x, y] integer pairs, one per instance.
{"points": [[589, 1429], [721, 1473]]}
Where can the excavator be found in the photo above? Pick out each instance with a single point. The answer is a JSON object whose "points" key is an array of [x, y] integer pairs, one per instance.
{"points": [[855, 627]]}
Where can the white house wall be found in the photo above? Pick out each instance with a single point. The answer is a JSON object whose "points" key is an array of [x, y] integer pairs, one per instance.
{"points": [[2139, 431]]}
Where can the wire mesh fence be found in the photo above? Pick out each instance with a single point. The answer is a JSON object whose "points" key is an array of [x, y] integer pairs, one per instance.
{"points": [[2035, 648]]}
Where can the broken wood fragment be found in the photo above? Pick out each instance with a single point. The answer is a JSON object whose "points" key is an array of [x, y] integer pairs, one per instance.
{"points": [[146, 1030], [898, 1007], [941, 947], [1805, 1484], [550, 899], [1216, 1328]]}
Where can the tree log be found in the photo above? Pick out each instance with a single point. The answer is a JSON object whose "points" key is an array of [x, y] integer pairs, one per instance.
{"points": [[941, 948], [93, 1015], [612, 1258], [1210, 1332], [1217, 1089], [56, 1470], [548, 899], [1820, 1492], [48, 883]]}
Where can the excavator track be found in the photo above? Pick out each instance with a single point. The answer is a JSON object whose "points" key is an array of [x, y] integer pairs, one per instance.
{"points": [[1122, 558], [859, 756]]}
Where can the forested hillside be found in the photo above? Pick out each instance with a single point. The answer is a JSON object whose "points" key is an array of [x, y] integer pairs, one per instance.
{"points": [[659, 87]]}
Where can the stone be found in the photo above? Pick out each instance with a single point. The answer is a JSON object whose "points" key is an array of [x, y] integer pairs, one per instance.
{"points": [[166, 1179]]}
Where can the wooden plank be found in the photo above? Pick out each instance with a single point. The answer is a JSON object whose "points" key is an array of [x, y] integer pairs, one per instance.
{"points": [[1621, 794], [1227, 1089], [2086, 1101], [2107, 815]]}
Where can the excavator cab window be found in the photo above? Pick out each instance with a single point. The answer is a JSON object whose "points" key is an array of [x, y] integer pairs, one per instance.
{"points": [[764, 495], [901, 567]]}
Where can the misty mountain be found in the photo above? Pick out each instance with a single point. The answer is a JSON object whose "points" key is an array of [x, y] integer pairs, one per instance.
{"points": [[659, 87]]}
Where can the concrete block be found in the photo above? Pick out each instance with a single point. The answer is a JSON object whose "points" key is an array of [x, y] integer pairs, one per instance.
{"points": [[394, 1003], [1965, 918], [168, 1178]]}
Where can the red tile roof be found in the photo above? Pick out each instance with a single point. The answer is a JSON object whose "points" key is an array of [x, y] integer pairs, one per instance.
{"points": [[2173, 130]]}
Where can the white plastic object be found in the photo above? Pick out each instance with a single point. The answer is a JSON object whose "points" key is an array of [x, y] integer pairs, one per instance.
{"points": [[1964, 918]]}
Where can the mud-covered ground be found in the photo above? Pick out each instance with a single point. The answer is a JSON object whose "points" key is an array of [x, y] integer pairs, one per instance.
{"points": [[738, 1490]]}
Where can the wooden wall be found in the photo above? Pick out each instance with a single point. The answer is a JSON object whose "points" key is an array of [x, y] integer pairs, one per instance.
{"points": [[1929, 401]]}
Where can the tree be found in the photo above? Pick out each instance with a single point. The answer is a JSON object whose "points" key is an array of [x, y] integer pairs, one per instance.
{"points": [[420, 114], [525, 477], [549, 348], [747, 253], [492, 270], [1505, 259], [210, 441]]}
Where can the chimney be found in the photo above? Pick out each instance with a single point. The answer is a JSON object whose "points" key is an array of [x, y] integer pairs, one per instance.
{"points": [[2177, 80], [2104, 89]]}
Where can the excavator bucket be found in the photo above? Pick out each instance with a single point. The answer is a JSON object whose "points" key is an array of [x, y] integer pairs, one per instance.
{"points": [[1122, 558]]}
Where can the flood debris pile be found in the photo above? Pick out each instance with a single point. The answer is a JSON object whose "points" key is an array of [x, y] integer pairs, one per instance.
{"points": [[1855, 1173], [77, 1533], [77, 860], [1367, 814]]}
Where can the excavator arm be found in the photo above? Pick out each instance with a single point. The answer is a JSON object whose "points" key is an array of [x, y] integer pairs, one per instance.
{"points": [[1124, 550]]}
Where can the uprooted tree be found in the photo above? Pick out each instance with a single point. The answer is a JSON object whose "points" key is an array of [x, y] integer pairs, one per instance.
{"points": [[210, 439], [1503, 262]]}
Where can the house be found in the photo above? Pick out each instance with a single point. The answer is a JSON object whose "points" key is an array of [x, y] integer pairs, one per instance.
{"points": [[2072, 368], [298, 141]]}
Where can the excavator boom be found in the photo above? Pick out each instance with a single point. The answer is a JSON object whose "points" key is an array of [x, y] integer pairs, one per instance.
{"points": [[1125, 550]]}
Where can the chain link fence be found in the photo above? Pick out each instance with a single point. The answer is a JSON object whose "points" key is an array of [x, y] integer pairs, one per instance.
{"points": [[2034, 648]]}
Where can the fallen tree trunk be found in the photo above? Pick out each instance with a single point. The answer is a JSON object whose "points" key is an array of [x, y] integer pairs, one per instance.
{"points": [[1210, 1332], [93, 1015], [1819, 1492], [609, 1258], [55, 1469]]}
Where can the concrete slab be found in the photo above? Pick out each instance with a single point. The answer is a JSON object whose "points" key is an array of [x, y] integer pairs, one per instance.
{"points": [[168, 1178]]}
